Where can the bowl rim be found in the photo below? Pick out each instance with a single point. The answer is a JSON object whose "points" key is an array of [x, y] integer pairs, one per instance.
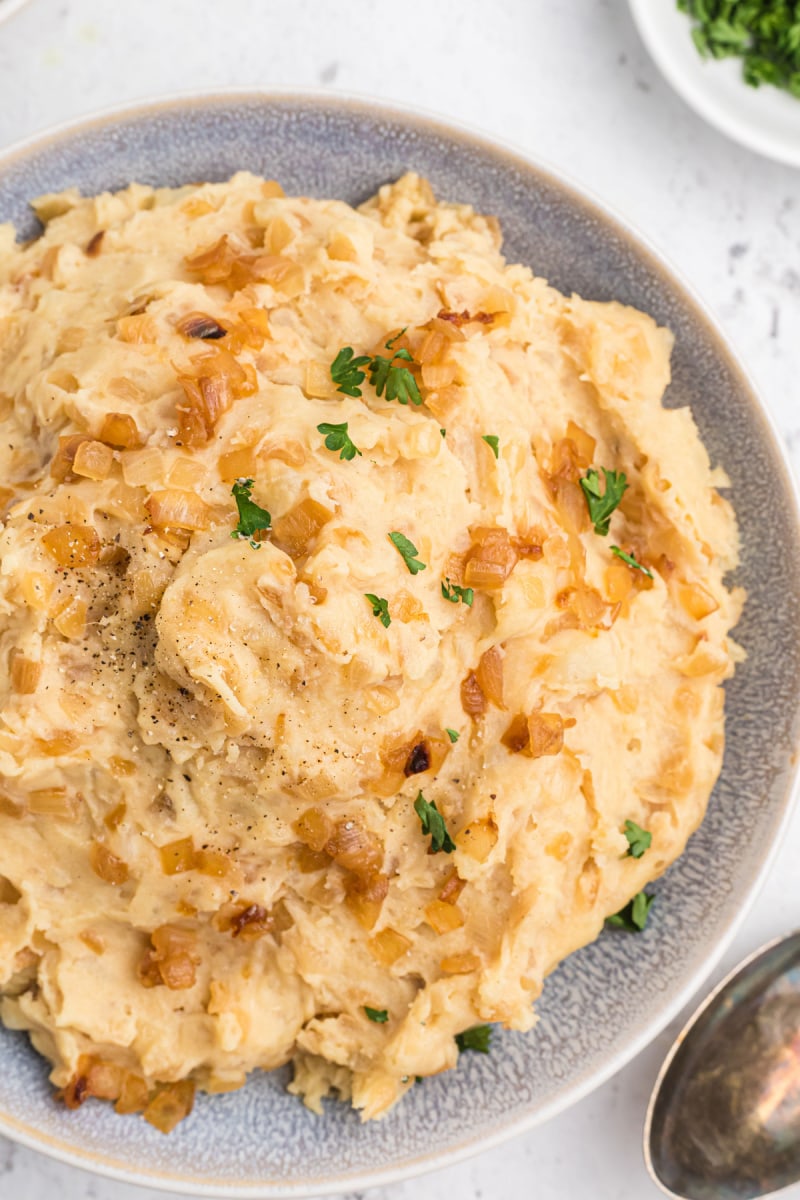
{"points": [[487, 144], [691, 89]]}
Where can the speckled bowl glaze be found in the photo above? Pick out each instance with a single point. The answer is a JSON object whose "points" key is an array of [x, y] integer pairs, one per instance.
{"points": [[602, 1005]]}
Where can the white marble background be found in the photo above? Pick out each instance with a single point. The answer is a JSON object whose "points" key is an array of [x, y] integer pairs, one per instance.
{"points": [[569, 81]]}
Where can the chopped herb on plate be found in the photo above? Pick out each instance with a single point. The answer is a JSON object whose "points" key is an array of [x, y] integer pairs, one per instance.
{"points": [[493, 442], [346, 371], [339, 439], [379, 1015], [601, 504], [638, 839], [478, 1038], [631, 561], [408, 552], [765, 34], [633, 917], [454, 593], [453, 734], [380, 608]]}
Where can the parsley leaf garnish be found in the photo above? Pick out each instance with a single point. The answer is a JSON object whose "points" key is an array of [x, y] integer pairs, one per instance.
{"points": [[380, 609], [493, 441], [638, 839], [339, 439], [633, 917], [432, 823], [479, 1038], [252, 518], [408, 551], [454, 593], [631, 561], [379, 1015], [453, 734], [346, 371], [602, 504], [396, 381]]}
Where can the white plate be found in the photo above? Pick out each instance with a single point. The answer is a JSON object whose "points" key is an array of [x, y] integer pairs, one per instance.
{"points": [[764, 119], [7, 7]]}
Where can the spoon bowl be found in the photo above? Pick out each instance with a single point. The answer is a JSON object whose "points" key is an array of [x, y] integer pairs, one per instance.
{"points": [[723, 1121]]}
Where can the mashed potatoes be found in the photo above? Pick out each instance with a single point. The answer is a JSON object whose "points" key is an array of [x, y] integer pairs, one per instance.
{"points": [[353, 780]]}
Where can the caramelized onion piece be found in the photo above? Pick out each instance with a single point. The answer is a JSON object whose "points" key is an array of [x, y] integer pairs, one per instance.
{"points": [[314, 829], [459, 964], [119, 430], [72, 546], [452, 889], [210, 386], [491, 558], [443, 917], [62, 460], [388, 946], [106, 865], [546, 734], [172, 508], [200, 325], [357, 849], [25, 673], [478, 839], [170, 1105], [490, 675], [93, 460], [296, 530], [473, 700]]}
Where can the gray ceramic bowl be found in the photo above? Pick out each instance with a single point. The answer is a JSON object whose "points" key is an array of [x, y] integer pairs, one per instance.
{"points": [[608, 1000]]}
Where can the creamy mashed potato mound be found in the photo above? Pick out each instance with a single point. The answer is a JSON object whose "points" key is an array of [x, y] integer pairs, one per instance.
{"points": [[217, 755]]}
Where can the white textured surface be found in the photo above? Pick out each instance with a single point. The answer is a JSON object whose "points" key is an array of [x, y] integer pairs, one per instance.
{"points": [[572, 84]]}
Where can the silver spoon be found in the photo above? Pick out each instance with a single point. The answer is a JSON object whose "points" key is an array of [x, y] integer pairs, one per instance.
{"points": [[723, 1121]]}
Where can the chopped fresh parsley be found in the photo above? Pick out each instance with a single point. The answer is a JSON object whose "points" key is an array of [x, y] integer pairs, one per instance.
{"points": [[602, 504], [388, 375], [454, 593], [395, 380], [408, 551], [633, 917], [432, 823], [346, 371], [379, 1015], [380, 609], [252, 518], [339, 439], [638, 839], [453, 734], [631, 561], [443, 432], [765, 34], [479, 1039], [493, 442]]}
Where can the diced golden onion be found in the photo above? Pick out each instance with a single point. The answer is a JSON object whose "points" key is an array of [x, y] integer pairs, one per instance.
{"points": [[516, 737], [309, 861], [395, 753], [491, 558], [497, 300], [212, 862], [170, 1105], [459, 964], [106, 865], [618, 582], [445, 401], [431, 347], [489, 675], [285, 451], [588, 606], [37, 590], [295, 531], [473, 699], [200, 325], [186, 474], [93, 460], [137, 330], [227, 263], [119, 430], [54, 802], [170, 941], [546, 734], [251, 329], [443, 917], [365, 911], [314, 828], [104, 1079], [94, 941], [114, 819], [70, 617], [452, 888], [133, 1094], [406, 607], [696, 600], [318, 382], [341, 248], [143, 468], [237, 464], [177, 856], [316, 787], [196, 207], [388, 946], [478, 839], [121, 767], [583, 442], [355, 848], [172, 508], [270, 189], [62, 460], [438, 375], [213, 381], [278, 233], [570, 504], [365, 895], [61, 741], [25, 673]]}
